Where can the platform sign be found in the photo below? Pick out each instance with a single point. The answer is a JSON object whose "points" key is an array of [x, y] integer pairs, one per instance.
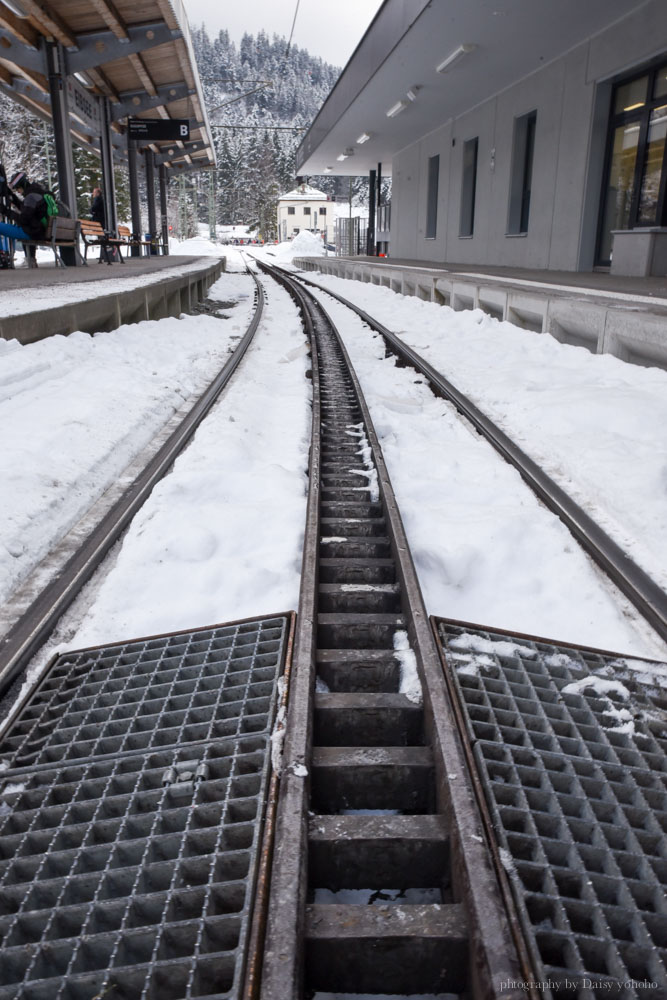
{"points": [[157, 129], [84, 105]]}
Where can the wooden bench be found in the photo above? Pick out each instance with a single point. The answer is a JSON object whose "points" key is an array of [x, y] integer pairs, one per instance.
{"points": [[93, 235], [60, 232], [129, 241]]}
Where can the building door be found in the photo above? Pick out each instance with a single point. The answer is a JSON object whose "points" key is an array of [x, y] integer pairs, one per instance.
{"points": [[636, 165]]}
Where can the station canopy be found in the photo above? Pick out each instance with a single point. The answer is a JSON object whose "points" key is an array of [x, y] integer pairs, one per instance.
{"points": [[138, 54]]}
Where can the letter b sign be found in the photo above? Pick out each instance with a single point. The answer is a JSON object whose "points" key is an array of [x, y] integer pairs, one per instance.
{"points": [[185, 131]]}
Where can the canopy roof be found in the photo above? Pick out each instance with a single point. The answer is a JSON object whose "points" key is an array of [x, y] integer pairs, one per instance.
{"points": [[422, 63], [136, 53]]}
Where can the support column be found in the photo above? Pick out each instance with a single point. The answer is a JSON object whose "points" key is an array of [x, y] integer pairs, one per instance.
{"points": [[108, 182], [370, 233], [149, 161], [134, 192], [164, 221], [56, 63], [379, 204]]}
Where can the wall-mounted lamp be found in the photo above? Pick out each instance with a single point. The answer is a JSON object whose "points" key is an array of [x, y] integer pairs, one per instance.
{"points": [[364, 137], [396, 109], [454, 57]]}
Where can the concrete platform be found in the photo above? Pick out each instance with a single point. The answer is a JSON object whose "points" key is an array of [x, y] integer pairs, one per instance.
{"points": [[42, 302], [605, 313]]}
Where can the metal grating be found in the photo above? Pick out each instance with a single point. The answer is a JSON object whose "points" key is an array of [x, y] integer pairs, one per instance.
{"points": [[149, 694], [570, 748], [131, 875]]}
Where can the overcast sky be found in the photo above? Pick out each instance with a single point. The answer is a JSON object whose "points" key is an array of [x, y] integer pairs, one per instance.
{"points": [[329, 30]]}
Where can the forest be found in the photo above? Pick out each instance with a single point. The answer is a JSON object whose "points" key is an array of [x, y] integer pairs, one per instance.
{"points": [[261, 96]]}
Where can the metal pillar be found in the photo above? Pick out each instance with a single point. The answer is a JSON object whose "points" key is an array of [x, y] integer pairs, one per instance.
{"points": [[108, 181], [379, 203], [56, 63], [134, 193], [149, 162], [212, 230], [164, 221], [370, 234]]}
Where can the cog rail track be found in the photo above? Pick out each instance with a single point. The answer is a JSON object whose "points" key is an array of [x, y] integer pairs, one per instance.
{"points": [[33, 627], [643, 592], [374, 792]]}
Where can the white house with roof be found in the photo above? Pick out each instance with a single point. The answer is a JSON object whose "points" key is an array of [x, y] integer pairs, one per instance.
{"points": [[305, 208]]}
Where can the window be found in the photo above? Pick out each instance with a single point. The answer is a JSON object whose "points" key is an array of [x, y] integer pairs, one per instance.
{"points": [[306, 210], [523, 148], [323, 211], [468, 186], [291, 210], [634, 192], [432, 197]]}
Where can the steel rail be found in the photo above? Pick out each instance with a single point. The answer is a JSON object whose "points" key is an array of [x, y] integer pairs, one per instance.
{"points": [[640, 589], [33, 627], [492, 958]]}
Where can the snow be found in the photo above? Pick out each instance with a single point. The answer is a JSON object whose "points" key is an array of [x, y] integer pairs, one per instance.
{"points": [[600, 685], [410, 684], [485, 549], [220, 538], [547, 396], [81, 407], [15, 301], [305, 192], [304, 243]]}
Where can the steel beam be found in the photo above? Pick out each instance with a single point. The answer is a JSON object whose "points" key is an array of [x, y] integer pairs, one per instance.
{"points": [[370, 233], [164, 221], [21, 54], [56, 60], [175, 152], [108, 181], [136, 102], [101, 47], [149, 166], [134, 193]]}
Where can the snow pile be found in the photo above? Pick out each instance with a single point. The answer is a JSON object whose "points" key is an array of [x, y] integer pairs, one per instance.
{"points": [[197, 246], [547, 395], [220, 537], [484, 547], [304, 244], [410, 684], [81, 407]]}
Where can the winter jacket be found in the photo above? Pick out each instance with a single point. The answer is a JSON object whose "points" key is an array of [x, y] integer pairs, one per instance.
{"points": [[33, 217], [97, 209]]}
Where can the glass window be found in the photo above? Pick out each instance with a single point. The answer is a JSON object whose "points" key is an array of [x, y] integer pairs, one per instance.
{"points": [[290, 210], [432, 197], [631, 96], [620, 186], [660, 85], [652, 174], [323, 211], [306, 210], [468, 185], [523, 149]]}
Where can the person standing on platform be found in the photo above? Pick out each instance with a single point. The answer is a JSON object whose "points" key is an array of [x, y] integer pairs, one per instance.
{"points": [[97, 213], [33, 216]]}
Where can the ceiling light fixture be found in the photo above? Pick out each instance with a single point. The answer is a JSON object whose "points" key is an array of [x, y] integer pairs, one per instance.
{"points": [[364, 137], [16, 8], [343, 156], [412, 93], [453, 57], [396, 109]]}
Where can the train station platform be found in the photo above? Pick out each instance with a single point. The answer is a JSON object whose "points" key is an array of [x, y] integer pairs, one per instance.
{"points": [[49, 300], [605, 313]]}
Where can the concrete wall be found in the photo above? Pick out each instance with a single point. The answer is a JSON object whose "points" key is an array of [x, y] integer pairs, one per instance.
{"points": [[157, 300], [571, 98]]}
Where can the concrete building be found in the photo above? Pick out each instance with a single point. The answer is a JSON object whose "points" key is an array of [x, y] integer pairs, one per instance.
{"points": [[304, 208], [524, 134]]}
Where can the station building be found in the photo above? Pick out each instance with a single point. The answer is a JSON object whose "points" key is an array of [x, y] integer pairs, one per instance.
{"points": [[304, 208], [518, 133]]}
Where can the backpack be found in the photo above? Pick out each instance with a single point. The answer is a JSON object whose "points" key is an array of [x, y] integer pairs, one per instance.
{"points": [[51, 205], [34, 215]]}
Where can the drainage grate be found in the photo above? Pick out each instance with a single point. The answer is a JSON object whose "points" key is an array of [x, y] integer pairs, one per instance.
{"points": [[152, 693], [570, 747], [132, 876]]}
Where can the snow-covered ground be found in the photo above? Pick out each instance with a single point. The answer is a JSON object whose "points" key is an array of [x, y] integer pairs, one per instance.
{"points": [[220, 539]]}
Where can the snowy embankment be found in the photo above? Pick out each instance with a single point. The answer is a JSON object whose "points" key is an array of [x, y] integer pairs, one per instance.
{"points": [[76, 410], [220, 537], [485, 549]]}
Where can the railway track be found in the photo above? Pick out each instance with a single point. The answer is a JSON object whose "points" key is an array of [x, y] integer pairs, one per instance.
{"points": [[36, 622], [374, 790], [646, 596]]}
